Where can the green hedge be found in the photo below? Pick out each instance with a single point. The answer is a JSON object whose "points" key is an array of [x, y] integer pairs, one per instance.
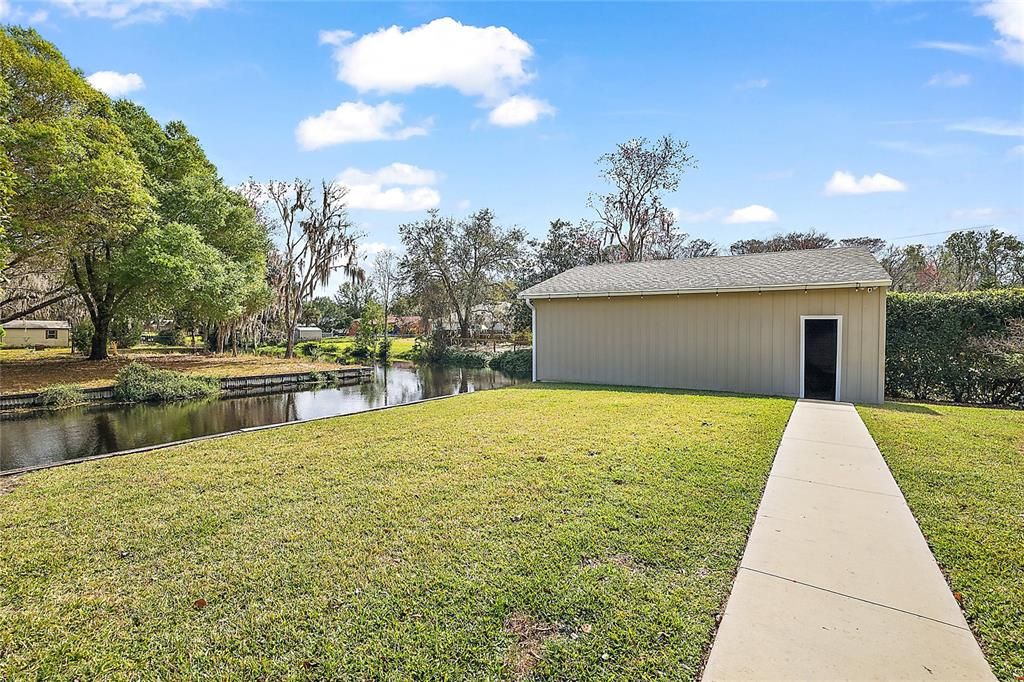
{"points": [[936, 347]]}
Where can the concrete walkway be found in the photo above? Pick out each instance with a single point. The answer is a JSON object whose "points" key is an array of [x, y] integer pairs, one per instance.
{"points": [[837, 581]]}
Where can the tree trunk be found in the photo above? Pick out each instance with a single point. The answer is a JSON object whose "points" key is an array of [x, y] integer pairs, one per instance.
{"points": [[101, 335], [289, 349], [388, 351]]}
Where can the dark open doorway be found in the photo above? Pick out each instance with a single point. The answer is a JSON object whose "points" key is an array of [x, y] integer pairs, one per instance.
{"points": [[821, 358]]}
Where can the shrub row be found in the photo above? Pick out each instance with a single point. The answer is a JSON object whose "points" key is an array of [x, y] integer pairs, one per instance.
{"points": [[955, 347], [61, 395], [517, 363], [138, 382]]}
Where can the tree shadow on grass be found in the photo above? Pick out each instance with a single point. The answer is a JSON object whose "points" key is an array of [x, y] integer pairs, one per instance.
{"points": [[915, 408]]}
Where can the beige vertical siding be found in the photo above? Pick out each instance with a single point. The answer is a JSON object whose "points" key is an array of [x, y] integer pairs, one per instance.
{"points": [[743, 342]]}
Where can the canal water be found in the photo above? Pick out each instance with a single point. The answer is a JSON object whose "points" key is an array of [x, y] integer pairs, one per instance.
{"points": [[46, 436]]}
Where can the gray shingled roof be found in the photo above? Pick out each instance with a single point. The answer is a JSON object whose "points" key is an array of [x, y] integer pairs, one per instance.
{"points": [[812, 268], [36, 324]]}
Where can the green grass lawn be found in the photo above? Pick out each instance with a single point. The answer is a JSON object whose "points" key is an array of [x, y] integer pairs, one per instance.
{"points": [[555, 532], [962, 472], [401, 346]]}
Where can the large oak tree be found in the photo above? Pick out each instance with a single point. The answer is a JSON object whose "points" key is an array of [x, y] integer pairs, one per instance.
{"points": [[130, 215]]}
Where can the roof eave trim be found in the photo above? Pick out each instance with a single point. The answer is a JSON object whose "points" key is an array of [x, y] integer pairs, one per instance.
{"points": [[718, 290]]}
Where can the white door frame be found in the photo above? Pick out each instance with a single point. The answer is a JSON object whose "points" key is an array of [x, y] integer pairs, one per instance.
{"points": [[839, 349]]}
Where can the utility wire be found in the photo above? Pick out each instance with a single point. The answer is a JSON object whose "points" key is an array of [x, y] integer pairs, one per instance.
{"points": [[931, 234]]}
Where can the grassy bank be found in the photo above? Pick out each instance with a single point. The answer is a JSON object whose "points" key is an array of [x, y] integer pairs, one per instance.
{"points": [[20, 373], [559, 532], [341, 349], [962, 472]]}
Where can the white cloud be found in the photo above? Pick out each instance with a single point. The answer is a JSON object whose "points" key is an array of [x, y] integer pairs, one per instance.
{"points": [[755, 213], [1008, 19], [384, 188], [370, 250], [16, 15], [684, 216], [1017, 151], [394, 174], [519, 110], [925, 150], [974, 214], [133, 11], [949, 79], [355, 122], [845, 183], [990, 126], [374, 197], [754, 84], [336, 37], [957, 48], [116, 84], [463, 204], [488, 62]]}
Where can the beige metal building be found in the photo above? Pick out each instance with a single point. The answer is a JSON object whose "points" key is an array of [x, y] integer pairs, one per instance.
{"points": [[27, 333], [798, 323]]}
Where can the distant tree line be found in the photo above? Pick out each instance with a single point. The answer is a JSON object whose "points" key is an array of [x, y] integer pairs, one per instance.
{"points": [[453, 266]]}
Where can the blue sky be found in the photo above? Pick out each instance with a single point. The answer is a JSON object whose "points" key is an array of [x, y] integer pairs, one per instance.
{"points": [[888, 119]]}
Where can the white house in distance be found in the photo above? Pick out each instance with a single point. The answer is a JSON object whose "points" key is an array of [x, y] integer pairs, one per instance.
{"points": [[807, 324], [29, 333]]}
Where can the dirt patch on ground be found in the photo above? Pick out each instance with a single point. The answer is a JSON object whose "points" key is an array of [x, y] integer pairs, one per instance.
{"points": [[8, 483], [19, 376], [530, 635], [623, 561]]}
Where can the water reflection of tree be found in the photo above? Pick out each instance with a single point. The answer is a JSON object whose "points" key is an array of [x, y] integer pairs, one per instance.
{"points": [[51, 436]]}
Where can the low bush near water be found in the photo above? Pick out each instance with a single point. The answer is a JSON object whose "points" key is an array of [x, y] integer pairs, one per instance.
{"points": [[464, 358], [517, 363], [61, 395], [138, 382]]}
